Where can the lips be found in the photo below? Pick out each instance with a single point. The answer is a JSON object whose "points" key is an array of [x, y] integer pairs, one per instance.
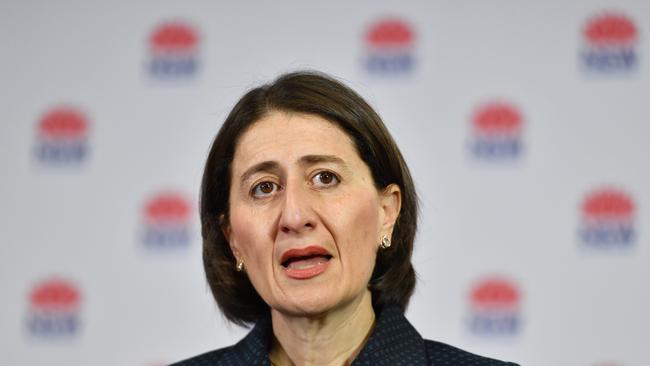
{"points": [[305, 263]]}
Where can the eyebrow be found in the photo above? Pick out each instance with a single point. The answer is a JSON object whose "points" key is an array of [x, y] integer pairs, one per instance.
{"points": [[315, 159], [269, 165], [264, 166]]}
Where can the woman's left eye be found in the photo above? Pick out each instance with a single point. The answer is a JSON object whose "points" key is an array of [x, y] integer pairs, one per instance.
{"points": [[325, 179]]}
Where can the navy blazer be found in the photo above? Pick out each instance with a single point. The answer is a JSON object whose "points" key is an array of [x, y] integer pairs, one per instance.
{"points": [[393, 342]]}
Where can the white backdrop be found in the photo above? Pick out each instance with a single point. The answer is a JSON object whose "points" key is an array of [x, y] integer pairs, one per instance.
{"points": [[525, 125]]}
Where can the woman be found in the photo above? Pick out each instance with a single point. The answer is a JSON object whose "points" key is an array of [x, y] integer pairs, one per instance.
{"points": [[308, 218]]}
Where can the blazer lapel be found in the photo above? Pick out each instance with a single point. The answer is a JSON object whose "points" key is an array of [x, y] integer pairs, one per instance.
{"points": [[394, 342], [253, 350]]}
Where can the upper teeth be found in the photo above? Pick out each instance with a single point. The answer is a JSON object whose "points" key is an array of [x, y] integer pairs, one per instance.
{"points": [[305, 261]]}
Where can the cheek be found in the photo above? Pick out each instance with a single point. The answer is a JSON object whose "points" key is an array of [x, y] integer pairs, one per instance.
{"points": [[359, 226], [246, 234]]}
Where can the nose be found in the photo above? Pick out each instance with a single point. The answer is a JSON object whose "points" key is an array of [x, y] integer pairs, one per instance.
{"points": [[297, 214]]}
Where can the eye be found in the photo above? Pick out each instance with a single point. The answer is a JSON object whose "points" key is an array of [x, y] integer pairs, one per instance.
{"points": [[264, 189], [325, 179]]}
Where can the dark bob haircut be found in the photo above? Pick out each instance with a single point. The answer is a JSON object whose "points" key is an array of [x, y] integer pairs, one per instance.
{"points": [[393, 278]]}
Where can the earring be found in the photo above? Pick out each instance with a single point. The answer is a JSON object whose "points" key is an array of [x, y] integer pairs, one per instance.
{"points": [[240, 265], [385, 242]]}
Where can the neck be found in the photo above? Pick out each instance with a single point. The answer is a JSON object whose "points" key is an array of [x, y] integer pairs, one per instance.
{"points": [[331, 339]]}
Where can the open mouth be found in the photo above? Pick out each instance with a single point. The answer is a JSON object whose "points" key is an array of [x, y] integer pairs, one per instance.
{"points": [[305, 258]]}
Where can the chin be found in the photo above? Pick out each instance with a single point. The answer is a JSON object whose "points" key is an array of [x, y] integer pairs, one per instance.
{"points": [[313, 304], [310, 303], [307, 307]]}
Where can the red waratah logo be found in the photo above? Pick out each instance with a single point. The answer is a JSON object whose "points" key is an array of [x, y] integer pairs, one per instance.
{"points": [[494, 307], [63, 123], [390, 44], [174, 38], [495, 294], [168, 209], [62, 136], [608, 204], [390, 33], [610, 29], [609, 42], [496, 129], [608, 218], [174, 47], [167, 220], [55, 295], [54, 306], [500, 119]]}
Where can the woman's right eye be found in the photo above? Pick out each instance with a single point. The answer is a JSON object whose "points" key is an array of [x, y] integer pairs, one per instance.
{"points": [[264, 189]]}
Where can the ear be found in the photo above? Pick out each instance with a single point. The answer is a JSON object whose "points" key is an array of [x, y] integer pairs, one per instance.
{"points": [[390, 204], [225, 230]]}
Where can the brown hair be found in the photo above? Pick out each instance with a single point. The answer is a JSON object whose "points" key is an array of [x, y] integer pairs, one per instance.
{"points": [[393, 278]]}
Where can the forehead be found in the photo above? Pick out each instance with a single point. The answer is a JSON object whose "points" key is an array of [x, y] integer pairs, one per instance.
{"points": [[285, 136]]}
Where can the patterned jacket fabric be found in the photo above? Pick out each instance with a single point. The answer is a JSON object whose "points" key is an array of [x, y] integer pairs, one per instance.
{"points": [[394, 342]]}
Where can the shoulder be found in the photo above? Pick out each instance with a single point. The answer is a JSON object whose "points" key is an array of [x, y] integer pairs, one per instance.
{"points": [[251, 350], [222, 356], [443, 354]]}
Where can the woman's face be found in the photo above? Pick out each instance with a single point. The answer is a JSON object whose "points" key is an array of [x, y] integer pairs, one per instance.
{"points": [[305, 216]]}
